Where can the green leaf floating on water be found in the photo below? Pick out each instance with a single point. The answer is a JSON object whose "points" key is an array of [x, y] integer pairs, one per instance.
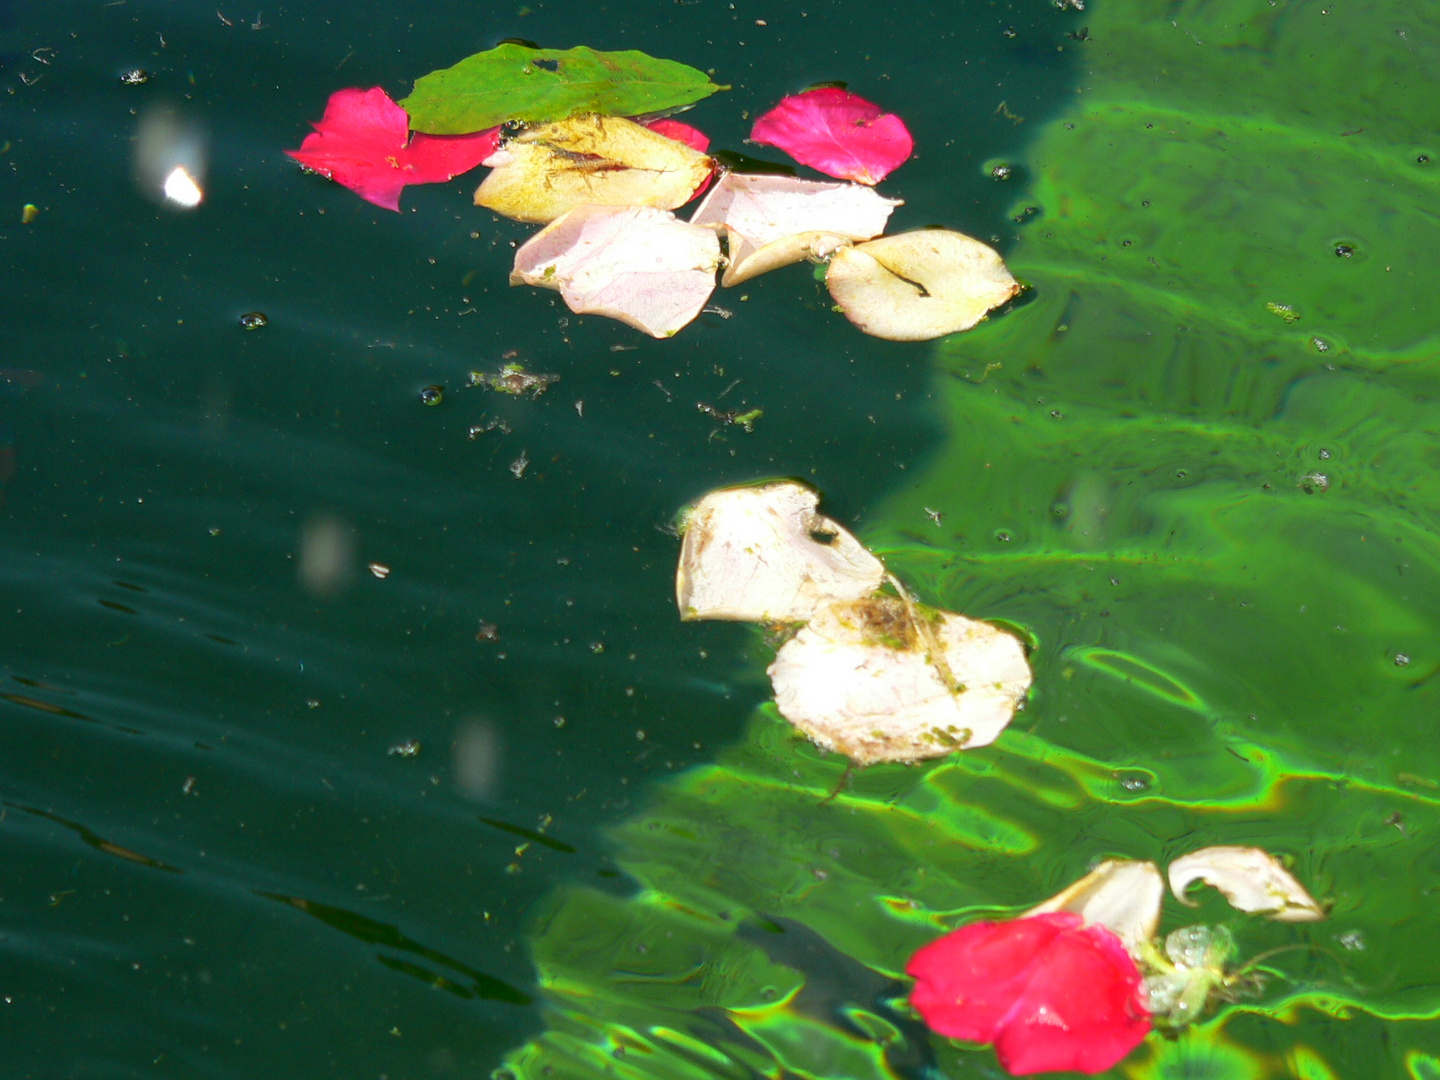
{"points": [[1222, 528], [516, 82]]}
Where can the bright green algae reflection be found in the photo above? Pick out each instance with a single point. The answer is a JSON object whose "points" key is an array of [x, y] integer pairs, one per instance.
{"points": [[1199, 469]]}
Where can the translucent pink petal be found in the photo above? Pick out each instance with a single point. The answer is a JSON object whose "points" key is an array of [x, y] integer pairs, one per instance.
{"points": [[837, 133], [362, 142], [1050, 993]]}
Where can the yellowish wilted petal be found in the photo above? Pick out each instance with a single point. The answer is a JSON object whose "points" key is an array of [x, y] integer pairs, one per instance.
{"points": [[1251, 879], [918, 285], [1122, 895], [766, 554], [879, 680], [772, 221], [643, 267], [548, 169]]}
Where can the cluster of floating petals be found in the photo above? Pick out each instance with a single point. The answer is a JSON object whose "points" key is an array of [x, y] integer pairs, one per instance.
{"points": [[563, 148], [875, 676]]}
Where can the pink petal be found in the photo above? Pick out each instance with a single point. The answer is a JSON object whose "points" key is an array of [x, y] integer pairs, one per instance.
{"points": [[968, 981], [837, 133], [365, 115], [1048, 991], [674, 129], [1082, 1010], [437, 158], [361, 143]]}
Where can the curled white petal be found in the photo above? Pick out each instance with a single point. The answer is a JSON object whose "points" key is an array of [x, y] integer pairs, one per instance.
{"points": [[1251, 879]]}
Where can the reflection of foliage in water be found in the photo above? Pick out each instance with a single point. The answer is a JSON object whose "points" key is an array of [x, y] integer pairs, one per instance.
{"points": [[1219, 523]]}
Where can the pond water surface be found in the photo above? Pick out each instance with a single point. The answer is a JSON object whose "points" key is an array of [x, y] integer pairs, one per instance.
{"points": [[341, 738]]}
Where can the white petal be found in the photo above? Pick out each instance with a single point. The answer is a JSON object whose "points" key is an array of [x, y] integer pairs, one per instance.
{"points": [[772, 221], [863, 678], [1122, 895], [642, 266], [765, 554], [1251, 879]]}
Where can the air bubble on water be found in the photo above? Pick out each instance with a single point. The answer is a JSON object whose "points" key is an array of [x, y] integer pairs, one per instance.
{"points": [[1353, 940], [431, 396], [254, 320], [1134, 780], [1402, 660]]}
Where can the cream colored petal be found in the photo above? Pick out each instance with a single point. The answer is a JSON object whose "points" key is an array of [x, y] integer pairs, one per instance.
{"points": [[1251, 879], [918, 285], [641, 266], [772, 221], [765, 554], [863, 678], [1122, 895], [548, 169]]}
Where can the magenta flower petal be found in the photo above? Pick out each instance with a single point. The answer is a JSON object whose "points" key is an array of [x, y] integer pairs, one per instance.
{"points": [[1050, 992], [363, 143], [837, 133], [674, 129]]}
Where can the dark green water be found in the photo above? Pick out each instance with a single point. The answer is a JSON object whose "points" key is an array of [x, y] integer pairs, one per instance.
{"points": [[212, 863], [215, 863]]}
